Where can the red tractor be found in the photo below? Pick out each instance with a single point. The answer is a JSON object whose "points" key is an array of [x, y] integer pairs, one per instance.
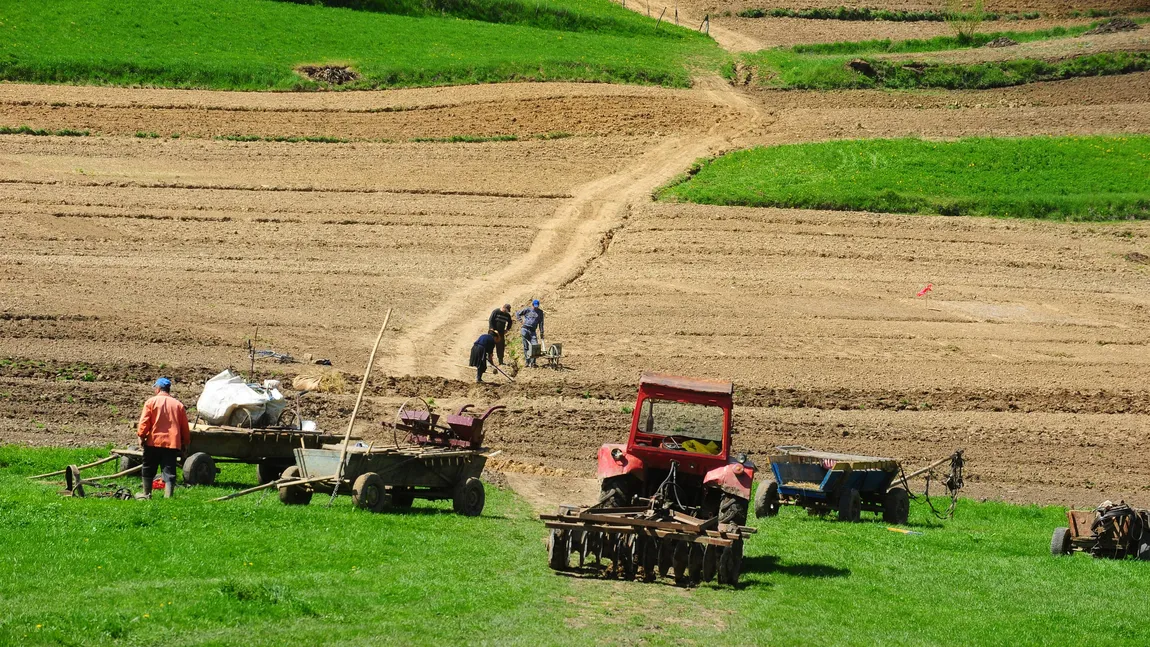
{"points": [[673, 496]]}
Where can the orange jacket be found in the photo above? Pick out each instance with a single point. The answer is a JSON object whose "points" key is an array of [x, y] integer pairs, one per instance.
{"points": [[164, 423]]}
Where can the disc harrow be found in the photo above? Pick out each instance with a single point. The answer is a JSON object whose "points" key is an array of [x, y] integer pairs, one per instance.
{"points": [[646, 542]]}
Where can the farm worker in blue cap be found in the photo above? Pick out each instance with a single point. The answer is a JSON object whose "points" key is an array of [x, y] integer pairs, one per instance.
{"points": [[531, 329], [164, 436]]}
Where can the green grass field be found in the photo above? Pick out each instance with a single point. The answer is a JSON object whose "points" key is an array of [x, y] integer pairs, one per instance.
{"points": [[1072, 178], [254, 572], [257, 44]]}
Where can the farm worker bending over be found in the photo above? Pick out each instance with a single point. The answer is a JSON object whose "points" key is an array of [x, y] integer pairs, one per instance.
{"points": [[531, 320], [164, 435], [481, 352], [500, 322]]}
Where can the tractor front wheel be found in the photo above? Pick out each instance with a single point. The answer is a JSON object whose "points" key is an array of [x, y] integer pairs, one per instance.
{"points": [[733, 510]]}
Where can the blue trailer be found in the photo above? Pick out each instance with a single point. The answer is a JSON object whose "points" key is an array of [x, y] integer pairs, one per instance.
{"points": [[825, 481]]}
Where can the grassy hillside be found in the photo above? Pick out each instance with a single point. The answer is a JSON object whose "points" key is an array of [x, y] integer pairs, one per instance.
{"points": [[256, 44], [1075, 178], [253, 572]]}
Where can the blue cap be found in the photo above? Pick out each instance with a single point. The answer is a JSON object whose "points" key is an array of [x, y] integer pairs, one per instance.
{"points": [[162, 383], [535, 303]]}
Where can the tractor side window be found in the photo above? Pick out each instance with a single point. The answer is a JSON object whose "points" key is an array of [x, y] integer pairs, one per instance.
{"points": [[696, 428]]}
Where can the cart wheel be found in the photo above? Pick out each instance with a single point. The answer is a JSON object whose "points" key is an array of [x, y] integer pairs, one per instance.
{"points": [[731, 563], [367, 492], [896, 507], [710, 562], [199, 469], [296, 494], [469, 497], [128, 462], [695, 563], [402, 498], [1060, 542], [558, 550], [1144, 552], [850, 505], [268, 471], [767, 502]]}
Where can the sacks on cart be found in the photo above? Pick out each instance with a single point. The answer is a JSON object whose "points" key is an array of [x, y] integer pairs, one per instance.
{"points": [[229, 400]]}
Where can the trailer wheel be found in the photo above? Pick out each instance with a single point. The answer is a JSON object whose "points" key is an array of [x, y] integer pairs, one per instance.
{"points": [[896, 507], [469, 497], [767, 501], [199, 469], [558, 550], [1060, 542], [296, 494], [731, 563], [850, 505], [368, 494]]}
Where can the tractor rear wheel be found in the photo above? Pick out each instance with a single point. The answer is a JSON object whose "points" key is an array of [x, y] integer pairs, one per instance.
{"points": [[616, 491], [558, 550], [731, 563], [469, 497], [295, 494], [767, 500], [850, 505], [733, 510], [368, 494], [1060, 542], [896, 507], [199, 469]]}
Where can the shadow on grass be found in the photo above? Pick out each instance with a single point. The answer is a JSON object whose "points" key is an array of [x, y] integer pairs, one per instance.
{"points": [[771, 564]]}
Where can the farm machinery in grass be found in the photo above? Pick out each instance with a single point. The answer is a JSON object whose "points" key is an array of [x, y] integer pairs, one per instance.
{"points": [[1114, 531], [674, 497]]}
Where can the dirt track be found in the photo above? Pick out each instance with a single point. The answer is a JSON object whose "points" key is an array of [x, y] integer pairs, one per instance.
{"points": [[125, 257]]}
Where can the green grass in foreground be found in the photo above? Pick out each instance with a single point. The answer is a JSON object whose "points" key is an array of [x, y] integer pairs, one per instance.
{"points": [[790, 70], [253, 572], [1073, 178], [257, 44]]}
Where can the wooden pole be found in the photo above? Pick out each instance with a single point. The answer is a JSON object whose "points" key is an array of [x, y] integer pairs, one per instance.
{"points": [[130, 470], [660, 19], [355, 410], [249, 490], [83, 467], [927, 468], [676, 14]]}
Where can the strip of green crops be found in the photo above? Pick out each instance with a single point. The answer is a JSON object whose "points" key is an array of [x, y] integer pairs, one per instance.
{"points": [[1072, 178], [252, 572], [256, 44], [785, 69]]}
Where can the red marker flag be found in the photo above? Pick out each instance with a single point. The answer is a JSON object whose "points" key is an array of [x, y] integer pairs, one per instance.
{"points": [[928, 288]]}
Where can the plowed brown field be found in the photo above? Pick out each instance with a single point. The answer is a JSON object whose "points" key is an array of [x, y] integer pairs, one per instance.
{"points": [[128, 257]]}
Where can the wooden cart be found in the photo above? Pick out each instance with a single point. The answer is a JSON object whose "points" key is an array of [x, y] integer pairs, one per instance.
{"points": [[1111, 531]]}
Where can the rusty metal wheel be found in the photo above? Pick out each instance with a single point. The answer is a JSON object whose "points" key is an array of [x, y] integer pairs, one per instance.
{"points": [[295, 494]]}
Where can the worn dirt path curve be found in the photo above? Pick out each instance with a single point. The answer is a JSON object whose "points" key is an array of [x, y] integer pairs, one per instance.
{"points": [[566, 243]]}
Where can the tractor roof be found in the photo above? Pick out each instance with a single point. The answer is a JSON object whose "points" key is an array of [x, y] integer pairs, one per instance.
{"points": [[696, 385]]}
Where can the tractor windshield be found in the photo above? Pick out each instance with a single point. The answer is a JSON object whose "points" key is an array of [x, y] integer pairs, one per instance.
{"points": [[696, 428]]}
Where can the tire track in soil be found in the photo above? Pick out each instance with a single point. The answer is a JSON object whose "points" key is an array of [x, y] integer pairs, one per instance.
{"points": [[564, 244]]}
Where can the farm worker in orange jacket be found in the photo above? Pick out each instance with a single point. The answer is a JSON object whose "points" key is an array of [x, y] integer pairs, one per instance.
{"points": [[164, 436]]}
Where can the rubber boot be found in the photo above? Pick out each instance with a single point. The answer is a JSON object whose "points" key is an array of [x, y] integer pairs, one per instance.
{"points": [[169, 489], [147, 494]]}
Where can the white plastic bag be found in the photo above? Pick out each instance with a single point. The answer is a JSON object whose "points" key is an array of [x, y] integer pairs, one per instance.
{"points": [[228, 400]]}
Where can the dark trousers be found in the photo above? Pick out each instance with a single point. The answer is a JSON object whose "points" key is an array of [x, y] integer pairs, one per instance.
{"points": [[500, 346], [162, 457], [478, 359]]}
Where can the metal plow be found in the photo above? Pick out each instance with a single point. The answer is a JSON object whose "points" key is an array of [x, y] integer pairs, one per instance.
{"points": [[646, 542]]}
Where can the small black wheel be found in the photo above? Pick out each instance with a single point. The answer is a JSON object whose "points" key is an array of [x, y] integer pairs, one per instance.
{"points": [[767, 500], [731, 563], [850, 505], [469, 497], [402, 497], [1060, 542], [368, 494], [896, 507], [295, 494], [617, 491], [558, 550], [199, 469]]}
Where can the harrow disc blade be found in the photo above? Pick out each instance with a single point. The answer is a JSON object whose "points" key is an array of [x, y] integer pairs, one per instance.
{"points": [[679, 560], [649, 556], [666, 556], [694, 563], [710, 562]]}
